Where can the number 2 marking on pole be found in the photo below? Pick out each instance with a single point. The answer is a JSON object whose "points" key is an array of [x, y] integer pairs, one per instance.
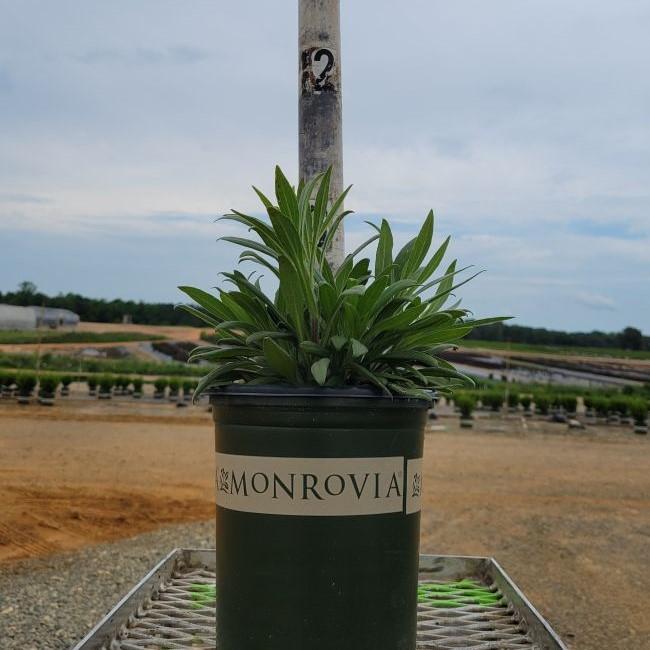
{"points": [[319, 81]]}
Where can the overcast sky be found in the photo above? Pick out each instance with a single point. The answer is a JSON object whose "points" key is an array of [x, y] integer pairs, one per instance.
{"points": [[127, 127]]}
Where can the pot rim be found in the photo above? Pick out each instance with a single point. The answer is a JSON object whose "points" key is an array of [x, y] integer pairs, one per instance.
{"points": [[286, 391]]}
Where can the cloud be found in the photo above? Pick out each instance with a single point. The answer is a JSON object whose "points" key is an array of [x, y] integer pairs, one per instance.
{"points": [[527, 137], [173, 55], [9, 197], [596, 301]]}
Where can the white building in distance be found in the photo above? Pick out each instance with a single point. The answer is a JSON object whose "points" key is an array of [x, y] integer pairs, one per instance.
{"points": [[13, 317]]}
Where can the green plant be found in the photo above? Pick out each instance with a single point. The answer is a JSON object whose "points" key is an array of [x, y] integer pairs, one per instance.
{"points": [[69, 363], [160, 384], [17, 337], [137, 384], [466, 403], [122, 383], [7, 379], [331, 327], [542, 403], [66, 380], [189, 386], [513, 399], [588, 401], [47, 385], [26, 383], [92, 382], [174, 385], [569, 403], [601, 405], [106, 383], [620, 404], [492, 399], [639, 410], [526, 400]]}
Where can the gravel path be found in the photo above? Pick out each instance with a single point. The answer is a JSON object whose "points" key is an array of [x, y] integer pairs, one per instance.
{"points": [[50, 603]]}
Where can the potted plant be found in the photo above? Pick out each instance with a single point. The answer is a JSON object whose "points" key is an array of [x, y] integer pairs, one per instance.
{"points": [[160, 385], [513, 401], [7, 381], [526, 400], [66, 380], [121, 383], [189, 386], [466, 403], [492, 399], [319, 396], [106, 383], [569, 404], [25, 384], [47, 386], [542, 403], [619, 409], [174, 387], [602, 407], [137, 387], [639, 411], [91, 380]]}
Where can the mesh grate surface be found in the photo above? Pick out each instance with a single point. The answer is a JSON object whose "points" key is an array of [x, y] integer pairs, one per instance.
{"points": [[457, 615]]}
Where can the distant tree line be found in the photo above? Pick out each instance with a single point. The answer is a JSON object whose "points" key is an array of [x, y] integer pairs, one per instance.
{"points": [[112, 311], [99, 310], [630, 338]]}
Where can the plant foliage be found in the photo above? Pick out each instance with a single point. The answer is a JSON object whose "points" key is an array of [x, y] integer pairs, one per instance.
{"points": [[380, 323]]}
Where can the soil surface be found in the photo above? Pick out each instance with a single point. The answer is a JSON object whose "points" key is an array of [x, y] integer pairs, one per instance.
{"points": [[566, 513]]}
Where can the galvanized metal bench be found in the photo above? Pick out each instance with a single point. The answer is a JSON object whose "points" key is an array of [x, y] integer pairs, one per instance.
{"points": [[463, 602]]}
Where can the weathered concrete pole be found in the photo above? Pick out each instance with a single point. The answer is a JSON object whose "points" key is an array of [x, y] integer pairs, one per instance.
{"points": [[320, 135]]}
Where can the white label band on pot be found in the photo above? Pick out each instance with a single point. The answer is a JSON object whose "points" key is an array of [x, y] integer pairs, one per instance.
{"points": [[318, 486]]}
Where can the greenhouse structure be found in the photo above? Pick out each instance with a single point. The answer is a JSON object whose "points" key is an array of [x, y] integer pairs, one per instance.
{"points": [[13, 317]]}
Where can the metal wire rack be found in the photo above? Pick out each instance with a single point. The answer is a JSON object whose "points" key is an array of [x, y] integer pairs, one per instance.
{"points": [[463, 603]]}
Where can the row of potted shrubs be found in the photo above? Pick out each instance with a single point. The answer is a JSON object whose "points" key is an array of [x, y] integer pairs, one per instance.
{"points": [[22, 386], [543, 403]]}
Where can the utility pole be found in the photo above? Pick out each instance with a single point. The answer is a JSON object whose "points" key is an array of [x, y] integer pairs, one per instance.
{"points": [[319, 113]]}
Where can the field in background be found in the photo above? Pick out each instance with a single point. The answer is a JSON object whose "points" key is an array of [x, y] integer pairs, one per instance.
{"points": [[44, 337], [564, 350]]}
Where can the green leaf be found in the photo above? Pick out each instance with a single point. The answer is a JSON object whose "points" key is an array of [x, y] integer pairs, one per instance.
{"points": [[265, 201], [201, 315], [319, 370], [250, 243], [280, 360], [420, 247], [256, 337], [430, 268], [384, 256], [287, 199], [211, 304], [338, 342], [292, 296], [371, 377], [313, 348], [358, 348]]}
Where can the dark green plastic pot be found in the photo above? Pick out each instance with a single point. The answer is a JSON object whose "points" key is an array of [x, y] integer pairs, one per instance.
{"points": [[318, 518]]}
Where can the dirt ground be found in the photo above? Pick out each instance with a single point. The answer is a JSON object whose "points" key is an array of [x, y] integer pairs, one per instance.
{"points": [[566, 514]]}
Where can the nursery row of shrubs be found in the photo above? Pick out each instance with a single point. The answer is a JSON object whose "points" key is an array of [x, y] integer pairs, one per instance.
{"points": [[542, 402], [71, 364], [22, 385]]}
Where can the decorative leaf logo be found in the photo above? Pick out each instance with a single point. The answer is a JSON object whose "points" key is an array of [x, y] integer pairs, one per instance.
{"points": [[417, 485], [223, 481]]}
